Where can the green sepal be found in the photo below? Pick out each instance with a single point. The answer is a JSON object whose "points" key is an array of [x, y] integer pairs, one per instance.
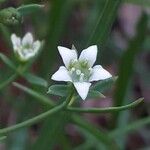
{"points": [[92, 94], [59, 90], [104, 85]]}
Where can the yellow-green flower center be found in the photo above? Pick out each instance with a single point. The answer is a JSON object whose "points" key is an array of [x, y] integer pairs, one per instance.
{"points": [[80, 71]]}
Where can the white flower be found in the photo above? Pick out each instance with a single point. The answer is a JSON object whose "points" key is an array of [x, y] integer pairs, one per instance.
{"points": [[80, 71], [25, 48]]}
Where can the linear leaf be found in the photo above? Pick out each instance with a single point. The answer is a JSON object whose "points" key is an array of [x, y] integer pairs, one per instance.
{"points": [[28, 9], [41, 98], [35, 79], [107, 109]]}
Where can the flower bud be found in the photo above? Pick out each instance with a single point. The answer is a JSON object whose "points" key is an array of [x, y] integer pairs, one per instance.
{"points": [[9, 16]]}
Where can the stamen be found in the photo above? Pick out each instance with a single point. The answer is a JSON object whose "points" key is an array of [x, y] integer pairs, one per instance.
{"points": [[90, 70], [78, 72], [72, 70]]}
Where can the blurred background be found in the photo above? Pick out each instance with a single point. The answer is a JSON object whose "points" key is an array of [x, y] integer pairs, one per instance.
{"points": [[121, 29]]}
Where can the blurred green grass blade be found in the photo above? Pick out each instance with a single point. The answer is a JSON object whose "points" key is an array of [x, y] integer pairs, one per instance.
{"points": [[39, 97], [107, 109], [145, 3], [30, 8], [58, 15], [127, 61], [130, 128], [2, 138], [51, 132], [99, 135], [104, 22], [17, 140], [35, 79], [104, 85]]}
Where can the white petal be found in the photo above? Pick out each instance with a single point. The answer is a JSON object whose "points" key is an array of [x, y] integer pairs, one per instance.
{"points": [[67, 54], [36, 46], [89, 54], [99, 73], [82, 88], [16, 41], [27, 39], [61, 75]]}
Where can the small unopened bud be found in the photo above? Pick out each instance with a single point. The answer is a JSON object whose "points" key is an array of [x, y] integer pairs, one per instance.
{"points": [[9, 16]]}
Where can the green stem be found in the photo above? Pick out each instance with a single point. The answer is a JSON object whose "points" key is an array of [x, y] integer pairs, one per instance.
{"points": [[107, 109], [71, 101], [39, 117], [32, 120]]}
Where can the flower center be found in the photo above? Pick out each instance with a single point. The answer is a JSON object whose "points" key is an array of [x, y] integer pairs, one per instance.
{"points": [[80, 71]]}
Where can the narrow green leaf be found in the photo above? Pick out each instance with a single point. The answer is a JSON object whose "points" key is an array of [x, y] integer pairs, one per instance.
{"points": [[41, 98], [107, 109], [35, 79], [20, 70], [104, 84], [59, 90], [28, 9], [8, 81], [7, 61]]}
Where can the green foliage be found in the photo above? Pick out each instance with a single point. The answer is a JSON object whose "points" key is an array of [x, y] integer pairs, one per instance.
{"points": [[52, 24]]}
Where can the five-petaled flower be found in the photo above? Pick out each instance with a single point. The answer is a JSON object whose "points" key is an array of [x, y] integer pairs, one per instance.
{"points": [[25, 48], [80, 71]]}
